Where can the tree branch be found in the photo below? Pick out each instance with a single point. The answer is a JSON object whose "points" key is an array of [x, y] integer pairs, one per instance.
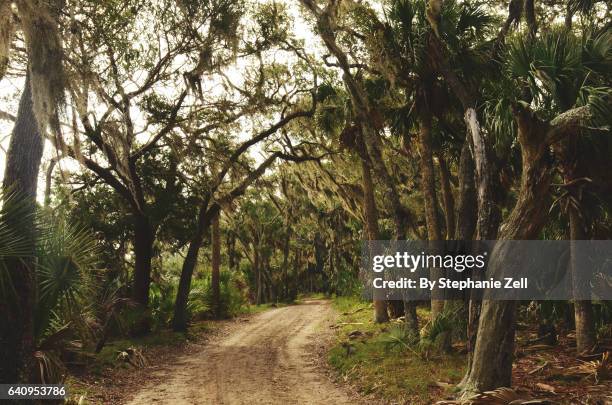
{"points": [[167, 128], [567, 123], [7, 116]]}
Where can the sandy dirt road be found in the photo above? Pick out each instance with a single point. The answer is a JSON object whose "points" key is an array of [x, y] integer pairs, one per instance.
{"points": [[270, 359]]}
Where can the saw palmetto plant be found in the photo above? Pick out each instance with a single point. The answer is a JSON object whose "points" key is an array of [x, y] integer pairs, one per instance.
{"points": [[65, 267]]}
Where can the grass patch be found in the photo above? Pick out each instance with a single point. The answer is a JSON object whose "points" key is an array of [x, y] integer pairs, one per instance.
{"points": [[107, 358], [395, 375], [313, 296], [256, 309]]}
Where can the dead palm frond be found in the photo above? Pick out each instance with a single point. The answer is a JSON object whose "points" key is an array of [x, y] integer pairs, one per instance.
{"points": [[499, 396]]}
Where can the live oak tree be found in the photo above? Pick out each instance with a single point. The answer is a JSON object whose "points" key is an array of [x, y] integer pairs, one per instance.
{"points": [[284, 97], [132, 117]]}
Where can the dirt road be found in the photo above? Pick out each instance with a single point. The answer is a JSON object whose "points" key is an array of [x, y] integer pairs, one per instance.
{"points": [[269, 359]]}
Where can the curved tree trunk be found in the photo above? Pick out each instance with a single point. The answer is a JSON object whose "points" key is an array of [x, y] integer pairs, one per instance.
{"points": [[179, 320], [16, 311], [494, 350]]}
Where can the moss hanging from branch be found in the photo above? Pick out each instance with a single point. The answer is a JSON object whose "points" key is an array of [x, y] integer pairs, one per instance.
{"points": [[7, 28], [40, 28]]}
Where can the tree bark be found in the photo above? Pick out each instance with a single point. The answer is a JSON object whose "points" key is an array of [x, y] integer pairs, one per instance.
{"points": [[572, 169], [371, 225], [143, 252], [530, 17], [428, 183], [447, 198], [16, 309], [583, 309], [494, 350], [466, 202], [216, 264], [179, 321], [411, 319], [396, 308]]}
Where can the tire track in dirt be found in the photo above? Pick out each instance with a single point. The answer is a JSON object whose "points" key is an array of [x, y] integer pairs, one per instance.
{"points": [[268, 360]]}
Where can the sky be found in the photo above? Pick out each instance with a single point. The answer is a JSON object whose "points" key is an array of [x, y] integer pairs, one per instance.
{"points": [[11, 88]]}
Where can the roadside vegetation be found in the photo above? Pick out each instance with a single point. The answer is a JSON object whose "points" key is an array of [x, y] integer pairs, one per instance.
{"points": [[169, 165], [386, 363]]}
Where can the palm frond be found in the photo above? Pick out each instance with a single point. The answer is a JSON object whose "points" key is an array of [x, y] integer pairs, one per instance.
{"points": [[16, 215], [474, 21]]}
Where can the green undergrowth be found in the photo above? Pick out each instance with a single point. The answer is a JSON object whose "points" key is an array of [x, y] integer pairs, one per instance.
{"points": [[312, 296], [255, 309], [396, 373], [164, 337]]}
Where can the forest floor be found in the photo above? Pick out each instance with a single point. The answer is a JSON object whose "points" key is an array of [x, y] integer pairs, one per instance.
{"points": [[369, 357], [273, 357]]}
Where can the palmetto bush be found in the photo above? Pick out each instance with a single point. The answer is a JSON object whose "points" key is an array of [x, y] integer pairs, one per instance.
{"points": [[65, 268], [162, 296], [232, 297]]}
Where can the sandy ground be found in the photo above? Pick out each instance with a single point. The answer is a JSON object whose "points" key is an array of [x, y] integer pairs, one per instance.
{"points": [[270, 358]]}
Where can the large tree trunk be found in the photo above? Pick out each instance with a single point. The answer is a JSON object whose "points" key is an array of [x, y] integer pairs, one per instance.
{"points": [[143, 253], [16, 311], [583, 309], [371, 225], [466, 202], [465, 229], [428, 182], [216, 264], [488, 213], [494, 350], [179, 321], [572, 169]]}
